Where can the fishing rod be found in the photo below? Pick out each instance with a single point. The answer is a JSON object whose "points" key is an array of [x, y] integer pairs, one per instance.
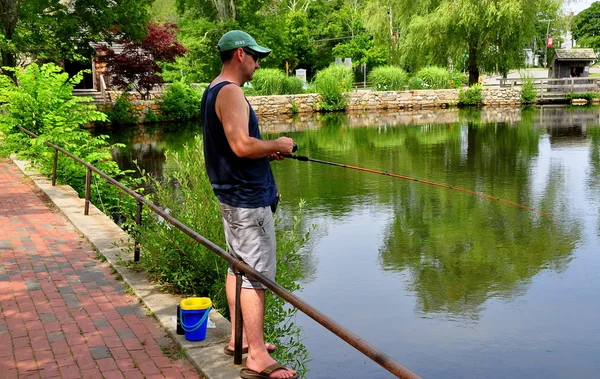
{"points": [[447, 186]]}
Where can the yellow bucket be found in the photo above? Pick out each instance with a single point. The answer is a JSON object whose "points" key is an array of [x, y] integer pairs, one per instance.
{"points": [[195, 303]]}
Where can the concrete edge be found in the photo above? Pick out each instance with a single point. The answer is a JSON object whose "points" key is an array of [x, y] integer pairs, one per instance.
{"points": [[110, 240]]}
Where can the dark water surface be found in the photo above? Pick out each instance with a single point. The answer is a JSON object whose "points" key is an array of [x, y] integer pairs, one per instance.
{"points": [[449, 284]]}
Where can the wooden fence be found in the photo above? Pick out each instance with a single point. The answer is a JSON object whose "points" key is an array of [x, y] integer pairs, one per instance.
{"points": [[557, 88]]}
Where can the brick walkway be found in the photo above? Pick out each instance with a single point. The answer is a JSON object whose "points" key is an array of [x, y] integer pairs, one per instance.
{"points": [[62, 314]]}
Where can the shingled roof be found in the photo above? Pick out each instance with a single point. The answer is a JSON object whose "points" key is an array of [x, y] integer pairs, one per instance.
{"points": [[576, 54]]}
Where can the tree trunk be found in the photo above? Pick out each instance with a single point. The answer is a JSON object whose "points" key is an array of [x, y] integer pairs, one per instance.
{"points": [[473, 68], [9, 14]]}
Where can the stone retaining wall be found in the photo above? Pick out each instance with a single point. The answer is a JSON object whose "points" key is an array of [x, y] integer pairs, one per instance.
{"points": [[375, 100], [357, 101]]}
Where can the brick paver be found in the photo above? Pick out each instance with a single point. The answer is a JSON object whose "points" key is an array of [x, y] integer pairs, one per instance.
{"points": [[62, 314]]}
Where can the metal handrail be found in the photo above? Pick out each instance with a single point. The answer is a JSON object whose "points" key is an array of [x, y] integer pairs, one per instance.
{"points": [[240, 267]]}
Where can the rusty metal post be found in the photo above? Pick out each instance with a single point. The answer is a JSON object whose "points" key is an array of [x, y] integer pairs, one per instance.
{"points": [[239, 321], [138, 221], [54, 167], [88, 185]]}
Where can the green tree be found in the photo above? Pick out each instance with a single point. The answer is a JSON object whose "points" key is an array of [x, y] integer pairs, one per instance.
{"points": [[50, 30], [586, 27], [490, 35]]}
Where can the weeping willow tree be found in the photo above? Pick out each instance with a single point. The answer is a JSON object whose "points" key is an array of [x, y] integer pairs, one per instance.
{"points": [[484, 34]]}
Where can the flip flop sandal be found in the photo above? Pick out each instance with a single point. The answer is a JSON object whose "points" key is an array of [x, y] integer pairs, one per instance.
{"points": [[246, 373], [230, 352]]}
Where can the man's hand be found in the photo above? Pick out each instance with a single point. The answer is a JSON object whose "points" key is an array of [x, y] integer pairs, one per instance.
{"points": [[285, 145]]}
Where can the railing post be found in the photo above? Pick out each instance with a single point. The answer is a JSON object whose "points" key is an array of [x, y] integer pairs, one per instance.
{"points": [[138, 221], [239, 321], [54, 167], [88, 186]]}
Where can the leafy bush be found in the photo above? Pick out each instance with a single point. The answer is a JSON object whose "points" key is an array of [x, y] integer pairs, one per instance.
{"points": [[528, 92], [331, 83], [471, 96], [415, 83], [458, 80], [170, 257], [434, 77], [43, 103], [122, 111], [388, 78], [181, 102], [293, 85], [151, 117]]}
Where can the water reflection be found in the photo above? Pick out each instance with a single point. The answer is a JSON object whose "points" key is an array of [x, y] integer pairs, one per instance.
{"points": [[426, 261]]}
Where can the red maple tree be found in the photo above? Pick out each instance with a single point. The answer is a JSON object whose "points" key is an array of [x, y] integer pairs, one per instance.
{"points": [[135, 66]]}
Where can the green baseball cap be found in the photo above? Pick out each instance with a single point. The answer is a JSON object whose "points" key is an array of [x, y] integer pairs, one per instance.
{"points": [[234, 39]]}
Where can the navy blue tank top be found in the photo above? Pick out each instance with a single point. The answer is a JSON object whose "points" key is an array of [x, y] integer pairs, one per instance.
{"points": [[239, 182]]}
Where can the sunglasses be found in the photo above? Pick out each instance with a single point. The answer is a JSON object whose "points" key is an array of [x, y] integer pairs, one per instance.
{"points": [[251, 53]]}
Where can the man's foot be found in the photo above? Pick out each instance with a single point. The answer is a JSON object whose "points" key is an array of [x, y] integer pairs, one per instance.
{"points": [[228, 350], [266, 367]]}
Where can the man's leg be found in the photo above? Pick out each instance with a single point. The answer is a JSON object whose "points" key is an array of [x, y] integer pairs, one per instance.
{"points": [[253, 312], [230, 291]]}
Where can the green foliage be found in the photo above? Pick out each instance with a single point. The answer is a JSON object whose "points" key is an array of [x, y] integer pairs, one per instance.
{"points": [[270, 81], [528, 91], [43, 103], [181, 102], [589, 96], [151, 117], [585, 27], [172, 258], [51, 30], [434, 77], [476, 35], [471, 96], [415, 83], [121, 112], [388, 78], [293, 85], [331, 83], [362, 50], [458, 80]]}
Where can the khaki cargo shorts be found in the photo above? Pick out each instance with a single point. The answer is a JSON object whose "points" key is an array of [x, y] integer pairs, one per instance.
{"points": [[250, 236]]}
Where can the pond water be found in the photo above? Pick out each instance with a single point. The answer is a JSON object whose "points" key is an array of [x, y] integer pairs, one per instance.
{"points": [[447, 283]]}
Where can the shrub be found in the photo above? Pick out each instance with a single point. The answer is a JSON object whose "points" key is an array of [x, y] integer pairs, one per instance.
{"points": [[268, 81], [121, 111], [151, 117], [458, 80], [434, 77], [293, 85], [43, 103], [331, 83], [589, 96], [528, 92], [181, 102], [471, 96], [388, 78], [415, 83]]}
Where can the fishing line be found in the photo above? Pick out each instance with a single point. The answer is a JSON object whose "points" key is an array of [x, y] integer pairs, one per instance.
{"points": [[398, 176]]}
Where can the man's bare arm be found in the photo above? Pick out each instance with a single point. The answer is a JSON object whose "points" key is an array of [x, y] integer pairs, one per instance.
{"points": [[233, 111]]}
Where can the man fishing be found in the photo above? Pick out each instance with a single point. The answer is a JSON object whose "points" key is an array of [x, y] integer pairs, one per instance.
{"points": [[238, 166]]}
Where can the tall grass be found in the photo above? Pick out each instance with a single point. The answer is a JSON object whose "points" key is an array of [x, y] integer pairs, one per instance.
{"points": [[388, 78], [434, 77]]}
